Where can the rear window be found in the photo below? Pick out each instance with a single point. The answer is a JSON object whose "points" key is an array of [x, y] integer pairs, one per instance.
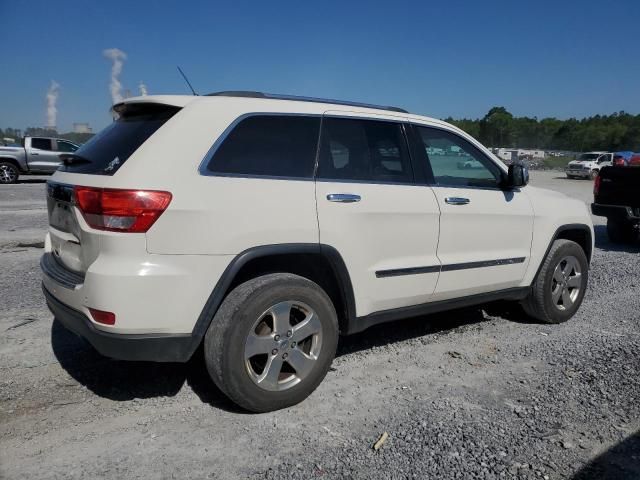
{"points": [[269, 145], [106, 152]]}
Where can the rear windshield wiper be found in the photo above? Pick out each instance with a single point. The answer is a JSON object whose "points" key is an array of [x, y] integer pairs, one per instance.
{"points": [[73, 159]]}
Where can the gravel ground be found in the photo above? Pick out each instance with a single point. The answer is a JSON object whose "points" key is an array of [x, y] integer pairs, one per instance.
{"points": [[475, 393]]}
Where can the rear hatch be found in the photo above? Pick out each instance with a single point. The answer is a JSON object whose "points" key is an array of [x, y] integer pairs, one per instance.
{"points": [[619, 186], [77, 223]]}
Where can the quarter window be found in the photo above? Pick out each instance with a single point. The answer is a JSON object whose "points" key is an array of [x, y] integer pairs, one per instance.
{"points": [[41, 143], [269, 145], [456, 162], [365, 150]]}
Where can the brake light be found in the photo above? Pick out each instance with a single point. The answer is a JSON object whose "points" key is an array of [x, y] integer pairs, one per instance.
{"points": [[115, 210], [106, 318], [596, 185]]}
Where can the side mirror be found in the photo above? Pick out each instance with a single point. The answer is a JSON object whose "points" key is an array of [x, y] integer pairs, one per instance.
{"points": [[518, 175]]}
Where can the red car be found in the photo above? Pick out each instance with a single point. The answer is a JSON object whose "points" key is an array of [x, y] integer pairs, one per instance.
{"points": [[634, 161]]}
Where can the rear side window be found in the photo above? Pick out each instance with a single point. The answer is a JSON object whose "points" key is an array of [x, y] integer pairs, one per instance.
{"points": [[269, 145], [107, 151], [41, 143], [65, 146], [363, 150]]}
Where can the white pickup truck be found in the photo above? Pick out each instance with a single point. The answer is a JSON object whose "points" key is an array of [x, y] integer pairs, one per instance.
{"points": [[36, 156], [588, 165]]}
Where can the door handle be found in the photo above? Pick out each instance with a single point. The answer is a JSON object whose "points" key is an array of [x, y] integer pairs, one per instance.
{"points": [[34, 153], [457, 201], [343, 197]]}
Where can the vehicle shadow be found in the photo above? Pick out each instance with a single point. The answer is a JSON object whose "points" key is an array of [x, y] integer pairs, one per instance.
{"points": [[31, 180], [622, 461], [400, 330], [603, 243], [123, 381]]}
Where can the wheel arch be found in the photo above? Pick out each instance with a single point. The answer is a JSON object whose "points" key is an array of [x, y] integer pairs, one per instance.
{"points": [[321, 264], [12, 161], [576, 232]]}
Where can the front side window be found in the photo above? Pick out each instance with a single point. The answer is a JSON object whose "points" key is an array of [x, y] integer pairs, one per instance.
{"points": [[65, 146], [269, 145], [456, 162], [41, 143], [363, 150]]}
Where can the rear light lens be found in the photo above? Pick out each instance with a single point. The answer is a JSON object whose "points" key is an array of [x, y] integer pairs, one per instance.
{"points": [[596, 185], [106, 318], [115, 210]]}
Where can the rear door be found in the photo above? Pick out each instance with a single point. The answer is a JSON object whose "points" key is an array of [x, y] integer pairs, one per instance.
{"points": [[369, 209], [485, 232], [42, 155]]}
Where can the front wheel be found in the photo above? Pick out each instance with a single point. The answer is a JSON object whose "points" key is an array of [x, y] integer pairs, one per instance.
{"points": [[593, 174], [560, 285], [272, 341], [8, 172]]}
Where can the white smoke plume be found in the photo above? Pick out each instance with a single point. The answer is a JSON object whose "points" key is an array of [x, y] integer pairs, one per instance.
{"points": [[52, 99], [143, 89], [117, 58]]}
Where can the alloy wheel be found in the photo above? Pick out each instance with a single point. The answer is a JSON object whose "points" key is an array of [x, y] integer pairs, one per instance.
{"points": [[283, 346], [566, 283]]}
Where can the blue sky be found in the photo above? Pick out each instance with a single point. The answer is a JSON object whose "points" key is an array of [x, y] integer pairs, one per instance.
{"points": [[540, 58]]}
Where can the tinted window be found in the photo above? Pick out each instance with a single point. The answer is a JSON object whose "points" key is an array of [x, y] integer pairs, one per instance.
{"points": [[368, 150], [41, 143], [107, 151], [65, 146], [456, 162], [270, 145]]}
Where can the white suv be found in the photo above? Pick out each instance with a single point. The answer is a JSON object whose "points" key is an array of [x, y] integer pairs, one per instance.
{"points": [[264, 226]]}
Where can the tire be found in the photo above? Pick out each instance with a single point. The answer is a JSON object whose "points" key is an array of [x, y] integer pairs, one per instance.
{"points": [[570, 176], [619, 231], [244, 324], [593, 174], [9, 173], [547, 301]]}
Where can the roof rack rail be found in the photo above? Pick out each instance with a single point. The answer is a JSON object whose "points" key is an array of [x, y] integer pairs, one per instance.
{"points": [[275, 96]]}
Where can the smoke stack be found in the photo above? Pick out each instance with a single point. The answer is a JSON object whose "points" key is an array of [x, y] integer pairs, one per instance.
{"points": [[143, 89], [52, 99], [117, 58]]}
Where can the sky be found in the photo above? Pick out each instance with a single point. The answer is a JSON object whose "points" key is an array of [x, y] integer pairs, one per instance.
{"points": [[561, 58]]}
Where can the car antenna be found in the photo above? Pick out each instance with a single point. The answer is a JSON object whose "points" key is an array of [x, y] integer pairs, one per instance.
{"points": [[187, 80]]}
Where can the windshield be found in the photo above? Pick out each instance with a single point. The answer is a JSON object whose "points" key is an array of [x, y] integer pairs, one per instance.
{"points": [[589, 156], [106, 152]]}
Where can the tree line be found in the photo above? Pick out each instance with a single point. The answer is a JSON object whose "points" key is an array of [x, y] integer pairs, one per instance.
{"points": [[499, 128], [17, 134]]}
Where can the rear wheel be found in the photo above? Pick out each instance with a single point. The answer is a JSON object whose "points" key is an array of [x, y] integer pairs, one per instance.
{"points": [[272, 341], [620, 231], [559, 287], [8, 172]]}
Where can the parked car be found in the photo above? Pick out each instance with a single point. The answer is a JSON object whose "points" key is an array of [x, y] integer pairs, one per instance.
{"points": [[621, 159], [264, 226], [617, 197], [36, 156], [588, 164]]}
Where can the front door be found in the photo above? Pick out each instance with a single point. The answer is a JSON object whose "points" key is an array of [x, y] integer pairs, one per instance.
{"points": [[485, 231]]}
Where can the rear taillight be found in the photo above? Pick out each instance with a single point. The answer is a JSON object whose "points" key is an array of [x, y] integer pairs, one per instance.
{"points": [[116, 210], [596, 185], [100, 316]]}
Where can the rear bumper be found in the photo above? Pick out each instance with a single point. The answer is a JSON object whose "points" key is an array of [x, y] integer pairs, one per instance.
{"points": [[141, 347], [618, 212]]}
